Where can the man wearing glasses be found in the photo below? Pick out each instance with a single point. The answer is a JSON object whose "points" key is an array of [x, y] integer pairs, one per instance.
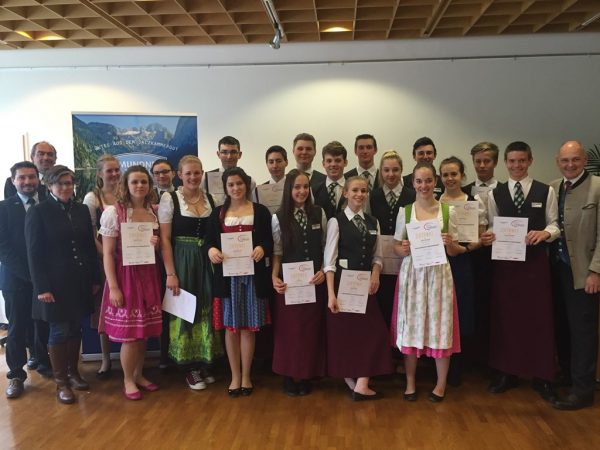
{"points": [[229, 153], [163, 175]]}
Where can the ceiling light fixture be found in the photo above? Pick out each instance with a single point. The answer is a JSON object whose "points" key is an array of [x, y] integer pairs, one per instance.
{"points": [[275, 43], [336, 30], [588, 22]]}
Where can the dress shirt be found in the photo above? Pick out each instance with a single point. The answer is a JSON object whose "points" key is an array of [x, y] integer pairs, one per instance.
{"points": [[25, 199], [276, 230]]}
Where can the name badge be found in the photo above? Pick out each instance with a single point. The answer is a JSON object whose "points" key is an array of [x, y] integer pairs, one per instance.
{"points": [[372, 231], [536, 205], [316, 226], [343, 263], [437, 189]]}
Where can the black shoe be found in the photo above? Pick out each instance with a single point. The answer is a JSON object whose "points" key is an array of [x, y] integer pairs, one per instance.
{"points": [[432, 397], [14, 388], [234, 393], [45, 371], [290, 387], [544, 388], [503, 383], [304, 387], [246, 391], [358, 397], [412, 397], [573, 402], [32, 363]]}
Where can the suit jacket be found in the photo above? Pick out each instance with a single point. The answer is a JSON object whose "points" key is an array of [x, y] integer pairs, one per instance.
{"points": [[438, 190], [582, 226], [321, 196], [14, 271], [62, 259], [316, 179], [354, 173], [10, 190]]}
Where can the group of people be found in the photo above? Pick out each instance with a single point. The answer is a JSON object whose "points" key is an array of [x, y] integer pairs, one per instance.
{"points": [[67, 257]]}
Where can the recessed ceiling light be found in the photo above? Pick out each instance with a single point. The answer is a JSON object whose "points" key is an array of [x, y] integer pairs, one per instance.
{"points": [[24, 34], [336, 30]]}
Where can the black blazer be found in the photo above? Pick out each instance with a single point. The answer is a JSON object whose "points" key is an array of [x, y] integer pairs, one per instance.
{"points": [[354, 173], [62, 259], [261, 235], [14, 271], [321, 196], [316, 179], [10, 190]]}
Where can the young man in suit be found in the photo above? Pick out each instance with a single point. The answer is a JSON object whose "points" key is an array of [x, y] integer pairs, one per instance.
{"points": [[229, 154], [43, 155], [485, 160], [305, 149], [424, 151], [328, 194], [521, 318], [365, 148], [576, 267], [15, 280], [276, 160]]}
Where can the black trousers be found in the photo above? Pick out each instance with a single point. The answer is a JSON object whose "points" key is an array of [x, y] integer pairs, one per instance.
{"points": [[581, 312], [40, 344], [20, 331]]}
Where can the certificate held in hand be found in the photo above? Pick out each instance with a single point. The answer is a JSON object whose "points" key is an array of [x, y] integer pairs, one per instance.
{"points": [[237, 254], [297, 276], [135, 243], [270, 195], [510, 238], [353, 292], [426, 244]]}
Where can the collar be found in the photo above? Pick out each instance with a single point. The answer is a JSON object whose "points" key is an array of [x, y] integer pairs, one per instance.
{"points": [[397, 190], [25, 198], [575, 180], [308, 171], [372, 171], [524, 182], [341, 181], [492, 182], [169, 189], [350, 214]]}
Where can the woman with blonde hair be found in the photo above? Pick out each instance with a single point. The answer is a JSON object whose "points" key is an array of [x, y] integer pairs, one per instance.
{"points": [[104, 194], [183, 216]]}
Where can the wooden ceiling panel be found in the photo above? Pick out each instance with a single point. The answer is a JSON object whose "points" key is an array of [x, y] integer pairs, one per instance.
{"points": [[102, 23]]}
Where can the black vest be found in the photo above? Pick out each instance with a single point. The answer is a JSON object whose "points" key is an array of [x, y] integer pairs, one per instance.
{"points": [[381, 209], [353, 246], [537, 216], [307, 244], [188, 226]]}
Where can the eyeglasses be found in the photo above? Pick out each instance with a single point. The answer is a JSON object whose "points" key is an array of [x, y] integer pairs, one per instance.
{"points": [[228, 152], [161, 172]]}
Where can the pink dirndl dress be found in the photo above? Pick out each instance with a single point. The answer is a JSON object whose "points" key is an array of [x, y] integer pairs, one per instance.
{"points": [[141, 315]]}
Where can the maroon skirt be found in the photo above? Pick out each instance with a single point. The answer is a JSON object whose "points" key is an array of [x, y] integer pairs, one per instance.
{"points": [[358, 344], [521, 317], [299, 337]]}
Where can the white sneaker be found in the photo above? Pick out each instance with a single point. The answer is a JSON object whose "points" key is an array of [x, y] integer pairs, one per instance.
{"points": [[207, 376], [195, 381]]}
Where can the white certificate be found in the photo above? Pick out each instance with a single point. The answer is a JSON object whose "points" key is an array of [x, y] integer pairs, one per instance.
{"points": [[135, 243], [353, 292], [237, 254], [391, 261], [426, 245], [270, 195], [467, 220], [214, 181], [183, 305], [510, 238], [297, 276]]}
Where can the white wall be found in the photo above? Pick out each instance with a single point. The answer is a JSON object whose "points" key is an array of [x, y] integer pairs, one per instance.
{"points": [[549, 93]]}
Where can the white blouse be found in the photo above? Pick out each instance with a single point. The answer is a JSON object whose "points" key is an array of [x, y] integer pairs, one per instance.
{"points": [[109, 221], [400, 233], [276, 231], [166, 207]]}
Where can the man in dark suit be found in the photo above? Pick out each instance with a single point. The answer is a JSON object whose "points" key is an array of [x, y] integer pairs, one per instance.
{"points": [[328, 194], [43, 155], [424, 150], [305, 149], [576, 267], [365, 148], [15, 281]]}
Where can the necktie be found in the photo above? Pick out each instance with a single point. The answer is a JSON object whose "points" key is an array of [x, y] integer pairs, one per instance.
{"points": [[519, 197], [367, 176], [31, 201], [331, 190], [360, 224], [483, 185], [392, 199], [568, 185], [563, 250], [301, 219]]}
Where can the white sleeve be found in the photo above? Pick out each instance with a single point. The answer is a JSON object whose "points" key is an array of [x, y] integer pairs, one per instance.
{"points": [[481, 210], [91, 201], [452, 227], [552, 215], [378, 254], [276, 231], [166, 208], [109, 222], [331, 245], [400, 231]]}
